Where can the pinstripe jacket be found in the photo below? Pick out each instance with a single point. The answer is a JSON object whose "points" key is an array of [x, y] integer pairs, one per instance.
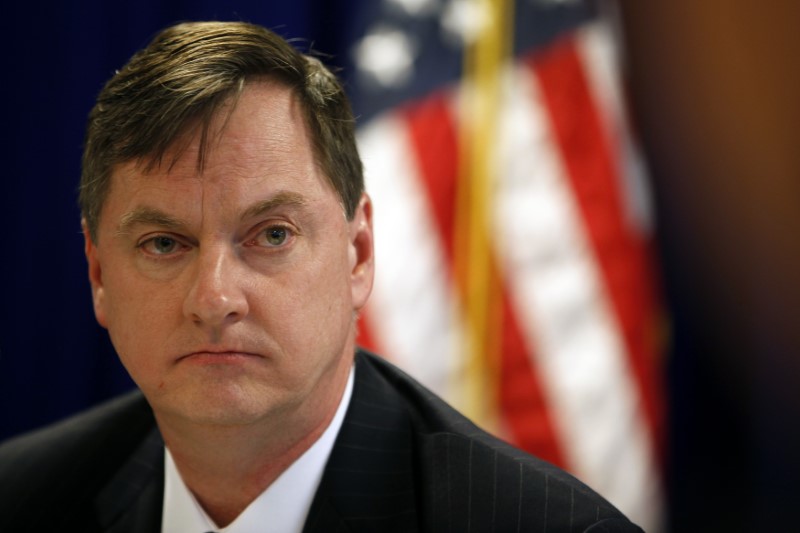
{"points": [[403, 461]]}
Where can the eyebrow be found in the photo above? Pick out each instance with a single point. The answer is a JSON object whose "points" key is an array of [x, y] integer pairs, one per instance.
{"points": [[147, 215], [281, 199]]}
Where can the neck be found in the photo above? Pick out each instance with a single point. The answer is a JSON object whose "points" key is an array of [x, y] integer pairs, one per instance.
{"points": [[226, 482]]}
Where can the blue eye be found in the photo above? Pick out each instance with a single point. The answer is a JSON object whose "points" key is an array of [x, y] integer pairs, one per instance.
{"points": [[160, 245], [276, 235], [164, 245], [273, 237]]}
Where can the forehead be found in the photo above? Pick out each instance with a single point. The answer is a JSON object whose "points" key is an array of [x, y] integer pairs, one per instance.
{"points": [[259, 139], [266, 114]]}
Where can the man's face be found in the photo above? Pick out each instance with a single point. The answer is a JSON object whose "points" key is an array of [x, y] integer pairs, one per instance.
{"points": [[230, 294]]}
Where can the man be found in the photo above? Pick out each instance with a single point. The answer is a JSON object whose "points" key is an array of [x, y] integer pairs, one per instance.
{"points": [[229, 243]]}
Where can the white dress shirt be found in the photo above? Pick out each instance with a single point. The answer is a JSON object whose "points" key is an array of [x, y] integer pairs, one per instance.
{"points": [[281, 508]]}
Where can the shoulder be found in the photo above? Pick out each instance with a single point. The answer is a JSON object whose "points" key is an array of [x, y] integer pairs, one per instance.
{"points": [[472, 480], [80, 435], [60, 464]]}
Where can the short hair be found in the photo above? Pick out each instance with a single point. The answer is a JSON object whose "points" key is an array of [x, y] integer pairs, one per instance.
{"points": [[180, 80]]}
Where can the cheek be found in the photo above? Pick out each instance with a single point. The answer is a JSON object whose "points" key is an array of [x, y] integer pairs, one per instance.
{"points": [[315, 301], [138, 315]]}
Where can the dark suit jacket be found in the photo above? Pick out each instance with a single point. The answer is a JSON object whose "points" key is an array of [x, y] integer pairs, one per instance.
{"points": [[403, 461]]}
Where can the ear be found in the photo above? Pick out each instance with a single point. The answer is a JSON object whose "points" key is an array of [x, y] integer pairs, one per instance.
{"points": [[95, 275], [361, 253]]}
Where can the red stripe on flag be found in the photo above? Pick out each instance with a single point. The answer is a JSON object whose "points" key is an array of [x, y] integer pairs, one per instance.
{"points": [[435, 145], [521, 398], [593, 172], [524, 409]]}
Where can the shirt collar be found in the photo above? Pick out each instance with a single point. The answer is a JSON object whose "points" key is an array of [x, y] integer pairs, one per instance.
{"points": [[282, 507]]}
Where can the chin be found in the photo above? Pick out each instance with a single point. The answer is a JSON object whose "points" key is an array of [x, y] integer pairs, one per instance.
{"points": [[221, 406], [229, 418]]}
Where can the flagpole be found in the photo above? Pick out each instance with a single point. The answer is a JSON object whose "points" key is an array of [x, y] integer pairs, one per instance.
{"points": [[486, 53]]}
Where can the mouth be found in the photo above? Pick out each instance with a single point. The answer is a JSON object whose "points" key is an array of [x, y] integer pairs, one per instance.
{"points": [[218, 357]]}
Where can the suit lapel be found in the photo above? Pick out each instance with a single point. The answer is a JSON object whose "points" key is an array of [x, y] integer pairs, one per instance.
{"points": [[369, 484], [132, 501]]}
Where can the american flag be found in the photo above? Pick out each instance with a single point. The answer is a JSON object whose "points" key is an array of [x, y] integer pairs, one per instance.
{"points": [[513, 230]]}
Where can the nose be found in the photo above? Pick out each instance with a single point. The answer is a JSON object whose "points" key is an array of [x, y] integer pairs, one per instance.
{"points": [[216, 296]]}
